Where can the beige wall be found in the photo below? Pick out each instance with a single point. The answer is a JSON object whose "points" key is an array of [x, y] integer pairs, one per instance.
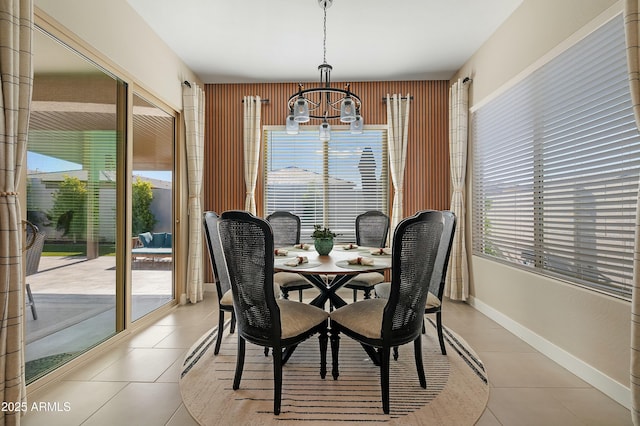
{"points": [[586, 332]]}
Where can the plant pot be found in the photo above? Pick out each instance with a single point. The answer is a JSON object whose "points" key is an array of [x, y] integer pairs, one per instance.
{"points": [[323, 245]]}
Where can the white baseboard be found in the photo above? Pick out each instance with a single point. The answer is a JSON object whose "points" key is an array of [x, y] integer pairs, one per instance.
{"points": [[612, 388]]}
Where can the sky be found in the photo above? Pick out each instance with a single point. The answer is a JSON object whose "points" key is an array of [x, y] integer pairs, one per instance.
{"points": [[44, 163]]}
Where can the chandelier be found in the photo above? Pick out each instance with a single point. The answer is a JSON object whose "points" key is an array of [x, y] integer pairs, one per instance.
{"points": [[324, 102]]}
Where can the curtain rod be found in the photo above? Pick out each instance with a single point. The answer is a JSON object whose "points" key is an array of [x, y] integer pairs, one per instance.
{"points": [[262, 101], [186, 83]]}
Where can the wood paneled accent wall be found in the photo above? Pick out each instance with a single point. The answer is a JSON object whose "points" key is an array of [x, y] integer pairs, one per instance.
{"points": [[427, 181]]}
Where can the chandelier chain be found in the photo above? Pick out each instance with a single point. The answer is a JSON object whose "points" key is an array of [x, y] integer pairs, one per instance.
{"points": [[324, 40]]}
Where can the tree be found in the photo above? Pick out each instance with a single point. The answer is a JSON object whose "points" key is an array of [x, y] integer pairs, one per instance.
{"points": [[70, 207], [143, 218]]}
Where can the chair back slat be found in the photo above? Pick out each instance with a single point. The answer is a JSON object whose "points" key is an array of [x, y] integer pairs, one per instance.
{"points": [[372, 228], [247, 242], [421, 248], [285, 227]]}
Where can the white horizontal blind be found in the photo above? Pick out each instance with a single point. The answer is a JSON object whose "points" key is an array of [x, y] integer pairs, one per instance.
{"points": [[326, 183], [556, 166]]}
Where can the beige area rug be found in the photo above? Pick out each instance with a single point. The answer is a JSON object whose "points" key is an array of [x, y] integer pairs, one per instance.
{"points": [[457, 386]]}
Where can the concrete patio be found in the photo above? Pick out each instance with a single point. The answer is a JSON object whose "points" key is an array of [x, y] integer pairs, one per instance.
{"points": [[75, 301]]}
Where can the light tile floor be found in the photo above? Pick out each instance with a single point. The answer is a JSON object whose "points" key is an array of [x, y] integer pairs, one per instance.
{"points": [[136, 383]]}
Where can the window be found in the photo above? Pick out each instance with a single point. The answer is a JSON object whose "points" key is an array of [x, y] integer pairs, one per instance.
{"points": [[556, 162], [327, 183]]}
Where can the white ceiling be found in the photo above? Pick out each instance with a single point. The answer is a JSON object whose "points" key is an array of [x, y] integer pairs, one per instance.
{"points": [[281, 40]]}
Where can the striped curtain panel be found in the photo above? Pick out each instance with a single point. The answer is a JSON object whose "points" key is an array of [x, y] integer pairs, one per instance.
{"points": [[457, 280], [251, 134], [16, 35], [398, 123], [193, 104], [632, 31]]}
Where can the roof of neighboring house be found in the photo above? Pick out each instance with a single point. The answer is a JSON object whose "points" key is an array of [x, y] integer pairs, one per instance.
{"points": [[297, 176]]}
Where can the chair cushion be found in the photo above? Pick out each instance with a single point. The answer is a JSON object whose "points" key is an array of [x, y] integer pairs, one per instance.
{"points": [[363, 317], [367, 279], [227, 299], [285, 279], [383, 290], [297, 318], [432, 301]]}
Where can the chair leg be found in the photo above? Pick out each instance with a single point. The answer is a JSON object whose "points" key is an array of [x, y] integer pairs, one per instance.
{"points": [[355, 294], [395, 353], [385, 356], [323, 350], [440, 336], [31, 303], [417, 350], [367, 293], [300, 295], [285, 293], [277, 379], [232, 327], [220, 330], [239, 363], [335, 346]]}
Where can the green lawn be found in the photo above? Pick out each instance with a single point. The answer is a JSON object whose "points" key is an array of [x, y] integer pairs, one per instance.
{"points": [[76, 249]]}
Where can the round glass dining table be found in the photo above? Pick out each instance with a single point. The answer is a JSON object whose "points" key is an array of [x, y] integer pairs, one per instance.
{"points": [[329, 273]]}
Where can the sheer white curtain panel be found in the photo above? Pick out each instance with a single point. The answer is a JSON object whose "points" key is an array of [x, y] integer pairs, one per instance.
{"points": [[251, 134], [16, 68], [398, 122], [193, 104], [632, 32], [457, 281]]}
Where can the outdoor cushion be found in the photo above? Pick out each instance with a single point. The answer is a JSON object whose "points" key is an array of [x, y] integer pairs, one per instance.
{"points": [[145, 238], [158, 240]]}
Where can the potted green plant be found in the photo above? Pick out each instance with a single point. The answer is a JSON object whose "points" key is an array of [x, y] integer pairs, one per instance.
{"points": [[323, 239]]}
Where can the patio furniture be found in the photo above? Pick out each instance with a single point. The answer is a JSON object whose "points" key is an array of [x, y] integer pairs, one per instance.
{"points": [[286, 233], [156, 245], [33, 253], [372, 228], [221, 276], [247, 244], [421, 248]]}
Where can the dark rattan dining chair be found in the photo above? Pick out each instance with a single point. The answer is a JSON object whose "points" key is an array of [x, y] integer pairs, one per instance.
{"points": [[433, 306], [286, 233], [247, 242], [421, 248], [372, 228], [220, 275]]}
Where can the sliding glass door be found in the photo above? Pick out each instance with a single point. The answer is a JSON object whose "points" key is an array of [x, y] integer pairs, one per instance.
{"points": [[101, 199], [151, 208]]}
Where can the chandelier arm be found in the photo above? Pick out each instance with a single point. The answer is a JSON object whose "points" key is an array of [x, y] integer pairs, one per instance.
{"points": [[324, 91]]}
